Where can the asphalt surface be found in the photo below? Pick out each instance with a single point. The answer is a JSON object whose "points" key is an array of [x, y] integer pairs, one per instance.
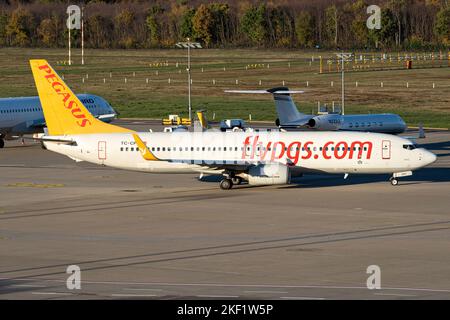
{"points": [[160, 236]]}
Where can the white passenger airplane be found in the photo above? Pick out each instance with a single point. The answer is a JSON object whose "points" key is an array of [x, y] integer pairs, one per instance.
{"points": [[261, 158], [23, 115], [290, 118]]}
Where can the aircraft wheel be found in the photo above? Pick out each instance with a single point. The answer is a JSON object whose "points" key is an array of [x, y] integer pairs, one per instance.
{"points": [[236, 180], [2, 143], [394, 181], [226, 184]]}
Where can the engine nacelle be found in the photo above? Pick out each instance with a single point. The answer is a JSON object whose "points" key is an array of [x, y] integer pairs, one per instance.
{"points": [[327, 122], [269, 174]]}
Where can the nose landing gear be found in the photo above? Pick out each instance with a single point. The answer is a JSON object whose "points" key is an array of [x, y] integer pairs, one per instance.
{"points": [[394, 181], [396, 175]]}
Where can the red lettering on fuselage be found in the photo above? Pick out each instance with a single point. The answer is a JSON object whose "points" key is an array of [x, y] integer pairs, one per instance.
{"points": [[341, 150], [331, 150], [274, 150], [307, 148]]}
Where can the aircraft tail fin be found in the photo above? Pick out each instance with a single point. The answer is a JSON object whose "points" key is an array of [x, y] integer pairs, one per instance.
{"points": [[64, 113], [286, 109], [202, 118]]}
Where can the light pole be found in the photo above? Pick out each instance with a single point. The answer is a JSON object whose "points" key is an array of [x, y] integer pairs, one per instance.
{"points": [[82, 35], [345, 57], [189, 45]]}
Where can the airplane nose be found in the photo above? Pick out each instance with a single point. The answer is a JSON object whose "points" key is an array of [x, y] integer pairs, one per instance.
{"points": [[429, 157]]}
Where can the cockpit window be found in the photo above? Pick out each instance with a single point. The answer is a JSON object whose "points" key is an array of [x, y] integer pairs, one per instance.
{"points": [[409, 146]]}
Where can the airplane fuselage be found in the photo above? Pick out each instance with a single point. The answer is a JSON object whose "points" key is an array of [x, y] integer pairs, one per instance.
{"points": [[381, 123], [183, 152]]}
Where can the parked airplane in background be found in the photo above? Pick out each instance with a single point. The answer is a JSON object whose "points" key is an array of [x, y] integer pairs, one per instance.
{"points": [[261, 158], [290, 118], [23, 115]]}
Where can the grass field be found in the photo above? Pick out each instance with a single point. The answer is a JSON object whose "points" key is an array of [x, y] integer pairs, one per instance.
{"points": [[146, 92]]}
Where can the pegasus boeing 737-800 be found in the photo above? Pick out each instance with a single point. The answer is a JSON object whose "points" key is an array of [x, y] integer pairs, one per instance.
{"points": [[261, 158], [23, 115]]}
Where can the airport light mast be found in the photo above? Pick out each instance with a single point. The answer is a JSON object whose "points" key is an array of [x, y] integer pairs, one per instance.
{"points": [[345, 57], [189, 45]]}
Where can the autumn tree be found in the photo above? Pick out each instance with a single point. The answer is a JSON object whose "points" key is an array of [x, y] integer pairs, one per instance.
{"points": [[281, 26], [20, 27], [397, 7], [254, 25], [123, 24], [153, 24], [98, 31], [359, 31], [3, 24], [186, 28], [332, 25], [202, 24], [442, 26], [220, 30], [386, 35], [48, 31], [304, 29]]}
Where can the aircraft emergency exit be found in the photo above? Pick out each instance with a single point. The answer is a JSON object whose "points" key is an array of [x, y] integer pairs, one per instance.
{"points": [[261, 158]]}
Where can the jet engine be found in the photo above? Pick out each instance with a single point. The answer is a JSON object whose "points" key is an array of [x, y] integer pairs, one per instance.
{"points": [[269, 174], [327, 122]]}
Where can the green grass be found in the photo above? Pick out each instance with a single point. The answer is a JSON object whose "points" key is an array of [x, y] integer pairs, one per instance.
{"points": [[419, 103]]}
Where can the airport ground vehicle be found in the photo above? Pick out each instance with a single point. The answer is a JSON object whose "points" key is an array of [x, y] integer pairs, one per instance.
{"points": [[230, 124]]}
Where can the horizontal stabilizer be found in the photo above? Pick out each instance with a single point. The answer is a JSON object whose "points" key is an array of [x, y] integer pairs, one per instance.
{"points": [[44, 138]]}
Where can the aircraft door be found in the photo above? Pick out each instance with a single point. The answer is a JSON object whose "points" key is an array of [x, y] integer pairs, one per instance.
{"points": [[102, 150], [386, 149]]}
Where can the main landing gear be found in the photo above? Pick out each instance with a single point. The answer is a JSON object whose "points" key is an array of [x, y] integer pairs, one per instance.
{"points": [[226, 184], [229, 180], [2, 143]]}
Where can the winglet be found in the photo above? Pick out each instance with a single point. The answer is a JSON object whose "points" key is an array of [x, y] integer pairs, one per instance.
{"points": [[146, 154]]}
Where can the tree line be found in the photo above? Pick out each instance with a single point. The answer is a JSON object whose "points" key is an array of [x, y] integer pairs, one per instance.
{"points": [[405, 24]]}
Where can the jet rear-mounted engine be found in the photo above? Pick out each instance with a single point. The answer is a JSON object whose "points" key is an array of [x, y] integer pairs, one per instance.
{"points": [[269, 174], [325, 122]]}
